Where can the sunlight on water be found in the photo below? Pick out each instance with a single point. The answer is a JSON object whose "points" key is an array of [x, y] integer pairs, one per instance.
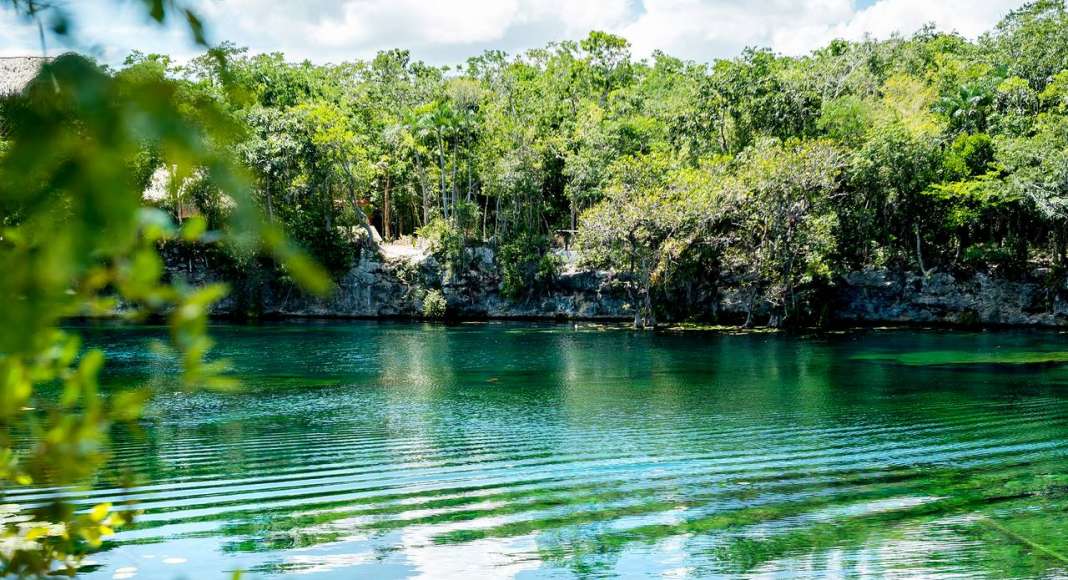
{"points": [[509, 450]]}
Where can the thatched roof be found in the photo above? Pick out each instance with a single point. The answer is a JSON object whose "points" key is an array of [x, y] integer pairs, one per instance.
{"points": [[17, 71]]}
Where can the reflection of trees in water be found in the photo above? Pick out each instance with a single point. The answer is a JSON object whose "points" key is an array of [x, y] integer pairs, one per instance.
{"points": [[607, 453]]}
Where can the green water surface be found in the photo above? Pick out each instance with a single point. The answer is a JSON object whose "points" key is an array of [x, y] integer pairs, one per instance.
{"points": [[385, 450]]}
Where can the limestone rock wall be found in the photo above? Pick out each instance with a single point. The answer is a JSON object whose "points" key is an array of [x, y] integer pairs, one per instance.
{"points": [[883, 296], [385, 285], [379, 286]]}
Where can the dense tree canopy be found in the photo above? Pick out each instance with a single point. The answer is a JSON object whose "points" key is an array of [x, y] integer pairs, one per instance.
{"points": [[930, 151], [78, 146]]}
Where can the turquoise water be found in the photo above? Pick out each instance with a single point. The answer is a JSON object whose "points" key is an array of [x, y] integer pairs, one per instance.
{"points": [[508, 450]]}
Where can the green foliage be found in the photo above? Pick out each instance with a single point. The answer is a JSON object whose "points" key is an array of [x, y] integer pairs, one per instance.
{"points": [[516, 148], [75, 240], [309, 229], [511, 148], [1038, 167], [445, 239], [943, 144], [989, 255], [1030, 42], [968, 200], [434, 305], [846, 119], [656, 216], [1055, 97], [549, 266], [1015, 107], [525, 264], [968, 156], [968, 107], [788, 229]]}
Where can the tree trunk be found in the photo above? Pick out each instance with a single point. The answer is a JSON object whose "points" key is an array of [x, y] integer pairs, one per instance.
{"points": [[270, 205], [1058, 245], [497, 218], [387, 231], [327, 200], [366, 223], [422, 190], [650, 316], [470, 189], [919, 250], [455, 191], [441, 175]]}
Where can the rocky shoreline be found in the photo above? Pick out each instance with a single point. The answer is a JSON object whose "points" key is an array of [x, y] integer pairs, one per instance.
{"points": [[382, 286], [940, 298]]}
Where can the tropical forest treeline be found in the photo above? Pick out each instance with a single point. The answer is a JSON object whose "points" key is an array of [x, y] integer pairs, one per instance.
{"points": [[767, 173]]}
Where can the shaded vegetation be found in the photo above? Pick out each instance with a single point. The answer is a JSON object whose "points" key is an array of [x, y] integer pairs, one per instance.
{"points": [[76, 239], [766, 174]]}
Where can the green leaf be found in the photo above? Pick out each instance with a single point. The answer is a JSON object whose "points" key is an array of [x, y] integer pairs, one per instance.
{"points": [[193, 228], [99, 512], [196, 27]]}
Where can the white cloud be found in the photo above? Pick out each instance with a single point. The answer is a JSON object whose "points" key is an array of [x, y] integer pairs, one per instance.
{"points": [[444, 31], [447, 31], [707, 29], [968, 17], [459, 22]]}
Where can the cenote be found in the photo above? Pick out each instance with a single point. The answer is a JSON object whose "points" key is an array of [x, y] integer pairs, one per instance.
{"points": [[390, 450]]}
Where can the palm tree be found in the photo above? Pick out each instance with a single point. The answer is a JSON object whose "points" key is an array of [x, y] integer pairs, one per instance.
{"points": [[967, 107], [438, 122]]}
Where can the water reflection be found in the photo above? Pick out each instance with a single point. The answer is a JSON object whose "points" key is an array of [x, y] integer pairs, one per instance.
{"points": [[394, 450]]}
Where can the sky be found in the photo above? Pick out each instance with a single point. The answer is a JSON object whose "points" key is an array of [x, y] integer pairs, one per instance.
{"points": [[448, 31]]}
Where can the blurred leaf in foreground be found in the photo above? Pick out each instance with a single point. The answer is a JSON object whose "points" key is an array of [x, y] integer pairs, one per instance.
{"points": [[76, 241]]}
